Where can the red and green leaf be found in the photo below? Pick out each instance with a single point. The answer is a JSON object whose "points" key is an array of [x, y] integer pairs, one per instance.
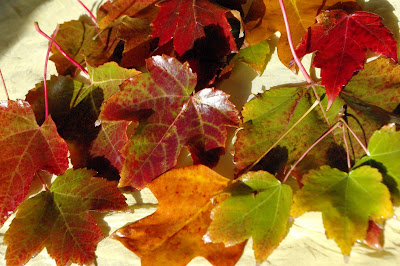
{"points": [[26, 148], [176, 116], [59, 219]]}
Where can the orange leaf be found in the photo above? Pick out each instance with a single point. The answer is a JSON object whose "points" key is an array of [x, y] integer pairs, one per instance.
{"points": [[173, 235]]}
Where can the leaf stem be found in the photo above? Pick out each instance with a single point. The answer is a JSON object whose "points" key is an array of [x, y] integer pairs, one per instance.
{"points": [[43, 183], [289, 36], [60, 49], [309, 149], [46, 102], [355, 136], [90, 12], [284, 134], [4, 86], [347, 149]]}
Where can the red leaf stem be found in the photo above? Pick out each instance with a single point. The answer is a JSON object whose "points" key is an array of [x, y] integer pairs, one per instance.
{"points": [[46, 102], [90, 12], [4, 85], [309, 149], [41, 180], [356, 137], [289, 35], [60, 49]]}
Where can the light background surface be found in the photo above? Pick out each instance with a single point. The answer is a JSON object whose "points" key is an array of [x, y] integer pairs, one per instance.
{"points": [[22, 55]]}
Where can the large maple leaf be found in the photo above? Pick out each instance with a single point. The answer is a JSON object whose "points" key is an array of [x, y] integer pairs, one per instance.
{"points": [[184, 21], [176, 116], [341, 41], [59, 219], [347, 202], [251, 211], [173, 234], [265, 18], [26, 148]]}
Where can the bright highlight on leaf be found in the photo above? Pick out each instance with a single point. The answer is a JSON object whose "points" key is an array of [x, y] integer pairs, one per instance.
{"points": [[59, 219], [173, 234], [26, 148], [176, 117], [341, 42], [258, 208], [347, 201]]}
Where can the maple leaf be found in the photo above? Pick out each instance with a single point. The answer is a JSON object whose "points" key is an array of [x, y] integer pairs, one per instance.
{"points": [[173, 234], [59, 219], [175, 117], [341, 42], [264, 18], [347, 202], [251, 211], [184, 22], [265, 120], [81, 40], [26, 148]]}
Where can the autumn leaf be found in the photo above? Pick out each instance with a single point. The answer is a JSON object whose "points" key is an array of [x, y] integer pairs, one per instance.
{"points": [[374, 238], [59, 219], [258, 208], [347, 202], [175, 116], [184, 22], [81, 40], [110, 12], [341, 42], [264, 18], [266, 118], [26, 148], [173, 234]]}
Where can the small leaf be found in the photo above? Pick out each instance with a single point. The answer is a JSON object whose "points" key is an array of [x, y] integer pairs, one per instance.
{"points": [[175, 117], [173, 234], [184, 22], [26, 148], [341, 42], [60, 220], [259, 210], [347, 202]]}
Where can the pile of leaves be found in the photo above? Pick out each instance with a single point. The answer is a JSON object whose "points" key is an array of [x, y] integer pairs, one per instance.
{"points": [[153, 69]]}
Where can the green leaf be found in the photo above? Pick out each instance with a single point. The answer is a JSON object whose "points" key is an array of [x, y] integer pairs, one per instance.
{"points": [[258, 208], [59, 219], [347, 202], [269, 115]]}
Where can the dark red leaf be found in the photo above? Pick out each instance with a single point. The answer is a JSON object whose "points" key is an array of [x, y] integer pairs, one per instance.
{"points": [[341, 41], [184, 21]]}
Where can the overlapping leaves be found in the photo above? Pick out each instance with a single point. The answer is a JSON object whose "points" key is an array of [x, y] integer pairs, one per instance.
{"points": [[27, 148], [173, 234], [170, 115], [59, 219]]}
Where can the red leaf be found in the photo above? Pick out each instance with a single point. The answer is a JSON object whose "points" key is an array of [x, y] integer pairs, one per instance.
{"points": [[175, 117], [26, 148], [59, 219], [184, 21], [374, 237], [341, 42]]}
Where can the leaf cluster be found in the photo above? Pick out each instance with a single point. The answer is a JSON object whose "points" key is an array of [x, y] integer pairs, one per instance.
{"points": [[152, 92]]}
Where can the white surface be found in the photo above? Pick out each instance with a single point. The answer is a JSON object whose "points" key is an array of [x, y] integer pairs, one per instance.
{"points": [[22, 54]]}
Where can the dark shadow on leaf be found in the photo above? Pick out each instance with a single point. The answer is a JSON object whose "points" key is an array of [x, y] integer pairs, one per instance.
{"points": [[274, 162], [337, 157], [104, 168]]}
